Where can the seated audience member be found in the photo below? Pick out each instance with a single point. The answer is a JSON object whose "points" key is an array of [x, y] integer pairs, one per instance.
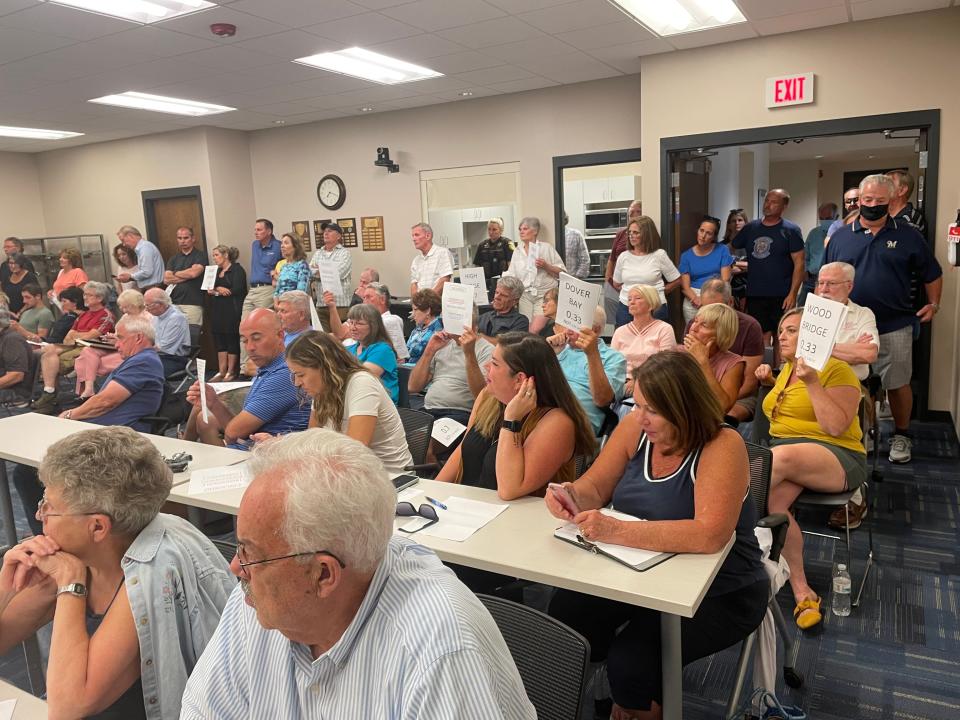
{"points": [[526, 428], [595, 372], [58, 359], [712, 332], [134, 595], [671, 464], [93, 362], [346, 397], [135, 388], [373, 347], [126, 260], [35, 318], [71, 307], [293, 309], [378, 296], [272, 406], [71, 272], [816, 442], [327, 592], [173, 330], [451, 370], [644, 335], [542, 325], [15, 378], [504, 317], [19, 277], [748, 344], [367, 276], [426, 314]]}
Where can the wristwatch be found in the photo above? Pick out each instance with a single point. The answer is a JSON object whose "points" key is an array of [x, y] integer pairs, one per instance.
{"points": [[935, 306], [513, 426], [67, 414], [78, 589]]}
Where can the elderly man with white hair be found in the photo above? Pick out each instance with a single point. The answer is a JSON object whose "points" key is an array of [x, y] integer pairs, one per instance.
{"points": [[336, 616], [172, 330], [134, 389], [597, 373], [504, 317], [293, 309]]}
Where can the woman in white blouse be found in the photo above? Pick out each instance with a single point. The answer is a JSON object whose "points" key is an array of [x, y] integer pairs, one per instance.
{"points": [[643, 263], [537, 265]]}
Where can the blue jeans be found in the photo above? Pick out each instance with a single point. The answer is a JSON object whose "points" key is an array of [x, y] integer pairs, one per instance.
{"points": [[624, 316]]}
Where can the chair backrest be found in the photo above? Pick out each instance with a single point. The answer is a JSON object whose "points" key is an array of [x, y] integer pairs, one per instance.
{"points": [[551, 657], [417, 426], [761, 462], [403, 377], [760, 428], [195, 331]]}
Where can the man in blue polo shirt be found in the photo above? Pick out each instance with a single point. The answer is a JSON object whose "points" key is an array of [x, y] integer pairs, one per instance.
{"points": [[272, 406], [886, 251], [774, 262], [264, 256]]}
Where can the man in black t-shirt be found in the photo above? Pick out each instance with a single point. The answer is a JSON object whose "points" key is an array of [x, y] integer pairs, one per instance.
{"points": [[185, 273]]}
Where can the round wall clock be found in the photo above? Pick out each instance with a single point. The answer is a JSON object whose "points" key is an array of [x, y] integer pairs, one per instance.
{"points": [[331, 192]]}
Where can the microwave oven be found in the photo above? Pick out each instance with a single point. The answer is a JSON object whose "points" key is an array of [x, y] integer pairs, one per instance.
{"points": [[604, 222]]}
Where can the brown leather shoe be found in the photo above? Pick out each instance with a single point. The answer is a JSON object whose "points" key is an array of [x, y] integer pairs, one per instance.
{"points": [[857, 513]]}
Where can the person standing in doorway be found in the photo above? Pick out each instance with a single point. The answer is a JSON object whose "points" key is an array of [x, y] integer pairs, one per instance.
{"points": [[900, 206], [185, 273], [813, 248]]}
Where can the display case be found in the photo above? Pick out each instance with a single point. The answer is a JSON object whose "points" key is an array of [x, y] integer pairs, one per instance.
{"points": [[44, 252]]}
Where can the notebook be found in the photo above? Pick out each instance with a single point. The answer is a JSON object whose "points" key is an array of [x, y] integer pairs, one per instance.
{"points": [[633, 558]]}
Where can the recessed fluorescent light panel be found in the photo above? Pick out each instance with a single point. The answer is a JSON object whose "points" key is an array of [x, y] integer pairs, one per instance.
{"points": [[159, 103], [673, 17], [36, 133], [141, 11], [368, 65]]}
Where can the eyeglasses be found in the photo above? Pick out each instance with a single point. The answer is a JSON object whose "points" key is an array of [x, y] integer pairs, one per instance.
{"points": [[42, 514], [634, 233], [428, 512], [776, 406], [831, 283], [245, 563]]}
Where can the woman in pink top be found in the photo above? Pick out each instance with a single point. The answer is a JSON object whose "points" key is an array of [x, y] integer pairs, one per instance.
{"points": [[644, 335], [712, 332], [71, 272]]}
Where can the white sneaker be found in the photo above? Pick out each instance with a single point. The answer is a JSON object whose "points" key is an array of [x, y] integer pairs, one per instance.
{"points": [[900, 449]]}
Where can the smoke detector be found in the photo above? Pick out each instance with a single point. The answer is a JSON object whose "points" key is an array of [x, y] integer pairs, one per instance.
{"points": [[223, 29]]}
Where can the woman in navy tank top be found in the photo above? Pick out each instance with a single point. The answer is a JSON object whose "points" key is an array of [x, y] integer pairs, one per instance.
{"points": [[671, 463]]}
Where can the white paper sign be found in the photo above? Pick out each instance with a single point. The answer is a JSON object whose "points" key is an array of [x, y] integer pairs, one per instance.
{"points": [[533, 253], [475, 277], [169, 290], [314, 318], [202, 377], [457, 307], [6, 709], [330, 277], [209, 277], [446, 430], [209, 480], [222, 387], [819, 325], [576, 302]]}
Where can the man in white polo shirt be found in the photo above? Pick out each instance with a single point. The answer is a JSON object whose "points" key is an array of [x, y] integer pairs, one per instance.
{"points": [[431, 266]]}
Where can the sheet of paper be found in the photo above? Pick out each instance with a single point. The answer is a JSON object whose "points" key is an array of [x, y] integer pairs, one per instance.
{"points": [[415, 524], [202, 376], [576, 302], [169, 290], [330, 277], [821, 321], [56, 301], [462, 518], [209, 277], [475, 277], [457, 307], [38, 343], [6, 709], [408, 493], [629, 555], [446, 430], [532, 255], [222, 387], [315, 318], [209, 480]]}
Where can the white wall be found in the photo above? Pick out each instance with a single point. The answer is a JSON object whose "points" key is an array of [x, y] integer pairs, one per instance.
{"points": [[21, 208]]}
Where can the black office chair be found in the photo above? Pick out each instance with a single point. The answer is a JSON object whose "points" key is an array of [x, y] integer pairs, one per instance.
{"points": [[174, 409], [189, 372], [417, 426], [551, 657], [403, 377]]}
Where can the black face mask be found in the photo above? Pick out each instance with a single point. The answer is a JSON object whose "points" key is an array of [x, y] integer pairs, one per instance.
{"points": [[872, 213]]}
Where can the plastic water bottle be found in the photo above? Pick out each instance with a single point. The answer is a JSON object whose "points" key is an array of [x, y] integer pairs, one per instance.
{"points": [[841, 591]]}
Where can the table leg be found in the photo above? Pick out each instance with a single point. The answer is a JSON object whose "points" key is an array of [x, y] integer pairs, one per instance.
{"points": [[6, 507], [671, 666]]}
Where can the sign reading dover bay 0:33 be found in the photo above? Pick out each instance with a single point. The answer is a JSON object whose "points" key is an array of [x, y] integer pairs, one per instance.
{"points": [[785, 90]]}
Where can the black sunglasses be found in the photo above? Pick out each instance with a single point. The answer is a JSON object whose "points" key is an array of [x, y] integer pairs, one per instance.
{"points": [[428, 512]]}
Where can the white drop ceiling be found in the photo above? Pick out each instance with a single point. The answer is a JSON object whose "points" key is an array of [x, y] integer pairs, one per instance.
{"points": [[53, 59]]}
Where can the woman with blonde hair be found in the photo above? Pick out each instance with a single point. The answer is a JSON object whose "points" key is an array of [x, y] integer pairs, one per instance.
{"points": [[712, 332], [347, 397], [644, 262], [644, 335]]}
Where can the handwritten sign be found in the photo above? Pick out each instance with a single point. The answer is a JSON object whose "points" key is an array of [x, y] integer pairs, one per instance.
{"points": [[314, 318], [475, 278], [457, 305], [446, 430], [576, 302], [330, 277], [819, 325], [202, 377], [209, 277]]}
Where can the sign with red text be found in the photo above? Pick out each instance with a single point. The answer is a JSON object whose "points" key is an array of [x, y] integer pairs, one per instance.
{"points": [[787, 90]]}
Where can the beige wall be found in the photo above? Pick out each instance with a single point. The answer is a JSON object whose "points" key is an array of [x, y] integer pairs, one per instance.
{"points": [[729, 80], [529, 128], [229, 208], [799, 178], [830, 187], [21, 209]]}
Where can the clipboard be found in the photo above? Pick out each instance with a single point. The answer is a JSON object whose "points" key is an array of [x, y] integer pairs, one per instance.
{"points": [[633, 558]]}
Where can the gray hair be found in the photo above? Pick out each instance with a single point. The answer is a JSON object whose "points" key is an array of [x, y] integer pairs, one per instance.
{"points": [[599, 319], [298, 299], [5, 318], [101, 290], [880, 180], [718, 286], [157, 295], [374, 273], [339, 497], [425, 227], [848, 270], [496, 221], [513, 285], [138, 324], [531, 222], [112, 470], [132, 297], [129, 230], [382, 290]]}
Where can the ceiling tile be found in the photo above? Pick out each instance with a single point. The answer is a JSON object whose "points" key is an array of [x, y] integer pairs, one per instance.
{"points": [[463, 62], [298, 13], [71, 62], [198, 24], [64, 21], [431, 86], [489, 76], [529, 49], [478, 92], [491, 32], [534, 83], [801, 21], [574, 16], [519, 6], [17, 43], [368, 96], [228, 58], [618, 33], [418, 47], [9, 6], [147, 41], [763, 9], [327, 83], [627, 57], [410, 102], [283, 109], [291, 44], [714, 36], [574, 67], [151, 74], [314, 116], [433, 15], [366, 29], [380, 4], [882, 8]]}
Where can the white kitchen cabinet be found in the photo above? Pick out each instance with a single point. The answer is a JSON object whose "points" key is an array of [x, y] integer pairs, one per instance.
{"points": [[447, 227], [596, 190], [573, 203], [621, 188]]}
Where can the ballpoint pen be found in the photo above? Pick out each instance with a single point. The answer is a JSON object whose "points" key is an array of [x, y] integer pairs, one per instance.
{"points": [[436, 503]]}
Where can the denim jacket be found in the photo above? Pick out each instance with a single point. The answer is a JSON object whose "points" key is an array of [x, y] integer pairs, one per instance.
{"points": [[177, 583]]}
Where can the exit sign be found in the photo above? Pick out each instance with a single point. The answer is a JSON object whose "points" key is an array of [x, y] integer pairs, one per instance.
{"points": [[789, 90]]}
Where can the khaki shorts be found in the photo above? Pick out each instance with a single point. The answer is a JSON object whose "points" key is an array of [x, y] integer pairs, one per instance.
{"points": [[894, 363], [854, 464], [68, 358]]}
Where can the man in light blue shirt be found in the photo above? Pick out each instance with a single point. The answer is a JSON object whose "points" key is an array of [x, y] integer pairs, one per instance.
{"points": [[173, 331], [336, 618], [150, 268]]}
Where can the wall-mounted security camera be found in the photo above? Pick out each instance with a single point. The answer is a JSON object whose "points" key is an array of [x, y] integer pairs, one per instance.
{"points": [[383, 160]]}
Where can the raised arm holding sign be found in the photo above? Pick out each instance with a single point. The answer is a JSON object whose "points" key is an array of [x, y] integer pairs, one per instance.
{"points": [[457, 307], [576, 302], [821, 321]]}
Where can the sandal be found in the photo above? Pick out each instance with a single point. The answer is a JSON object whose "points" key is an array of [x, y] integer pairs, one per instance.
{"points": [[229, 377], [216, 378], [807, 613]]}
